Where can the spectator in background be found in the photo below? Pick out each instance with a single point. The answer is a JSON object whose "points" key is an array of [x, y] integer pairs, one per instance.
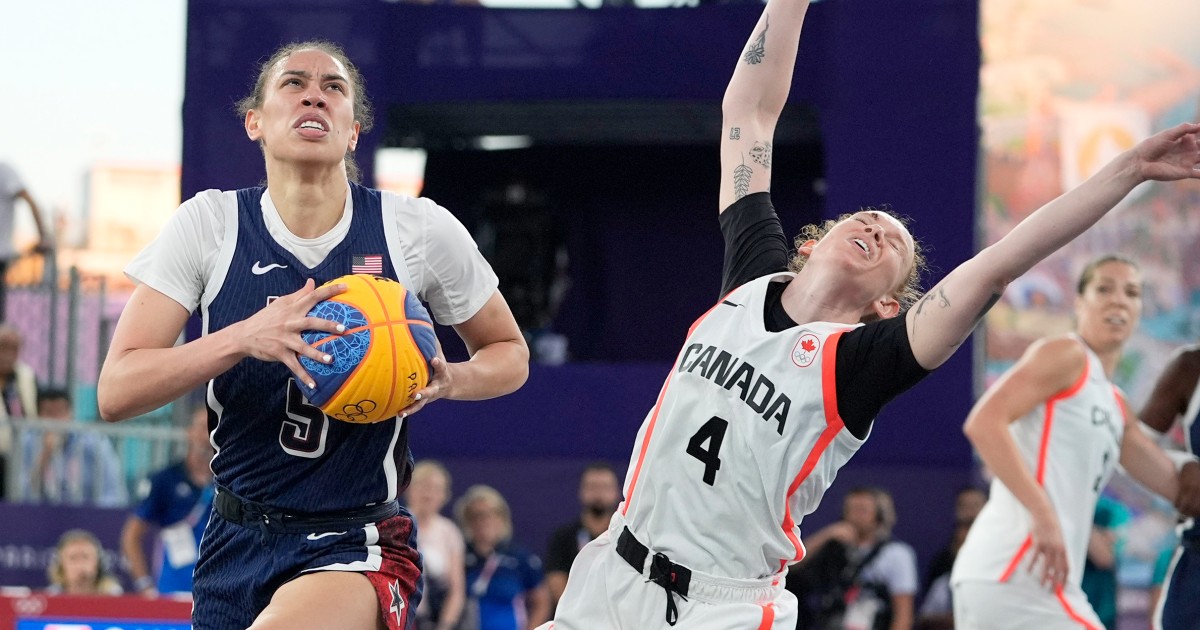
{"points": [[1100, 567], [442, 548], [177, 502], [599, 494], [936, 607], [18, 388], [967, 504], [78, 567], [504, 581], [69, 466], [12, 189], [855, 576]]}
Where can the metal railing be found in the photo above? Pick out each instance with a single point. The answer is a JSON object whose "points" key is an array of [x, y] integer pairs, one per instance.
{"points": [[65, 320]]}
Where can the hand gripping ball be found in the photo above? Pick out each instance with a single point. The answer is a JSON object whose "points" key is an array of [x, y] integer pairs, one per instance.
{"points": [[380, 362]]}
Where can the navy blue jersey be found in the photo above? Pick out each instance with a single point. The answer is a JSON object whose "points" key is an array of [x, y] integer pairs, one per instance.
{"points": [[1191, 424], [273, 447]]}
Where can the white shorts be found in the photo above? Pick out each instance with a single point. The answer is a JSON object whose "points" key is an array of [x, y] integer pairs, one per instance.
{"points": [[1021, 604], [605, 593]]}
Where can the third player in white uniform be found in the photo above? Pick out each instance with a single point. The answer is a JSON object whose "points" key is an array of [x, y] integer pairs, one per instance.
{"points": [[1052, 430]]}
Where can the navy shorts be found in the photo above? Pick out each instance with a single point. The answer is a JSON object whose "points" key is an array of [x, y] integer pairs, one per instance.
{"points": [[1181, 607], [240, 568]]}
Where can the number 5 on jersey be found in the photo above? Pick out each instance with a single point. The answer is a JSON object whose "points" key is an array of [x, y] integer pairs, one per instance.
{"points": [[705, 446]]}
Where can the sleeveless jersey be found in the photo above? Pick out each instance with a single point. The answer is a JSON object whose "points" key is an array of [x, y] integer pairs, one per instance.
{"points": [[744, 440], [1191, 432], [1072, 443], [272, 446]]}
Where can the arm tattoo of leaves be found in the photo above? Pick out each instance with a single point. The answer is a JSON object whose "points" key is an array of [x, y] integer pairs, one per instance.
{"points": [[761, 154], [735, 133], [758, 50], [741, 181]]}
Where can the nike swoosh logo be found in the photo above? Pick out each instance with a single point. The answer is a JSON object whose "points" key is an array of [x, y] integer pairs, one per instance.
{"points": [[259, 270], [729, 303], [320, 536]]}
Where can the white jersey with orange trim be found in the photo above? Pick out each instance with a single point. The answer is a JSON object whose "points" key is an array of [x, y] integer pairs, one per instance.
{"points": [[742, 443], [1072, 443]]}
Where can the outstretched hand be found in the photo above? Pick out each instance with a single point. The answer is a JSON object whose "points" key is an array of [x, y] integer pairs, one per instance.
{"points": [[273, 333], [1171, 154]]}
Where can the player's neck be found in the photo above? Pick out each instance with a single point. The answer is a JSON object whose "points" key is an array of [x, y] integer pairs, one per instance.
{"points": [[310, 201], [810, 298], [1109, 356]]}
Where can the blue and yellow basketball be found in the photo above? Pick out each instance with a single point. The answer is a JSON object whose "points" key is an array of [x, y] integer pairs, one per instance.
{"points": [[381, 361]]}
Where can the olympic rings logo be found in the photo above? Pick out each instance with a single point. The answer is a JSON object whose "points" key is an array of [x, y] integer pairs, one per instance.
{"points": [[357, 412]]}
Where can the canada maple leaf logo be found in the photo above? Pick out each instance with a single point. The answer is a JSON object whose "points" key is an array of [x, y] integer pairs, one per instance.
{"points": [[805, 351]]}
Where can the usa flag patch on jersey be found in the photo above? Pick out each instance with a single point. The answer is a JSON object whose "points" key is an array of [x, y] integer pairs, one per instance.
{"points": [[806, 350], [372, 264]]}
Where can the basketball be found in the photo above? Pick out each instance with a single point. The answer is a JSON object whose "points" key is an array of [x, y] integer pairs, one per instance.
{"points": [[380, 362]]}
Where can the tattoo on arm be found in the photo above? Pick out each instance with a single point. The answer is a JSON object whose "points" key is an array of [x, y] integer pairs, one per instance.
{"points": [[761, 154], [937, 291], [735, 133], [986, 307], [741, 181], [943, 302], [978, 318], [758, 50]]}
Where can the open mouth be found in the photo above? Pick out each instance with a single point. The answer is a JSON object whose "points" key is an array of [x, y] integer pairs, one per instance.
{"points": [[312, 125], [862, 245]]}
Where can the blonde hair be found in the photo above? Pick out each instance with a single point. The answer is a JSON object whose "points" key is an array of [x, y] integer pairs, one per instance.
{"points": [[907, 293], [104, 583], [426, 466], [481, 493]]}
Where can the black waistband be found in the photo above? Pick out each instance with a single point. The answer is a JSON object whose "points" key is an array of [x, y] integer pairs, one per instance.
{"points": [[674, 578], [248, 514]]}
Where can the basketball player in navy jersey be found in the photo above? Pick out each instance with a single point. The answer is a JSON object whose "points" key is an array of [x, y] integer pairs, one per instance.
{"points": [[1176, 397], [777, 385], [306, 531]]}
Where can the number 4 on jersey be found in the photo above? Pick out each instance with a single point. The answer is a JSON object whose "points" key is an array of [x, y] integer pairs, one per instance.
{"points": [[712, 432]]}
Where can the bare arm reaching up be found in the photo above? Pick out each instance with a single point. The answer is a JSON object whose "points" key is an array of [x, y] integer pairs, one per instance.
{"points": [[943, 319], [755, 98]]}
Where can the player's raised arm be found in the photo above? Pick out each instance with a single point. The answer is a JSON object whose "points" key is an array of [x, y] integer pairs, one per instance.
{"points": [[943, 319], [755, 98]]}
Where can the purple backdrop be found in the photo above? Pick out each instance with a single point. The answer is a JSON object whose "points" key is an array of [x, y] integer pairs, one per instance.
{"points": [[894, 87], [29, 533]]}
